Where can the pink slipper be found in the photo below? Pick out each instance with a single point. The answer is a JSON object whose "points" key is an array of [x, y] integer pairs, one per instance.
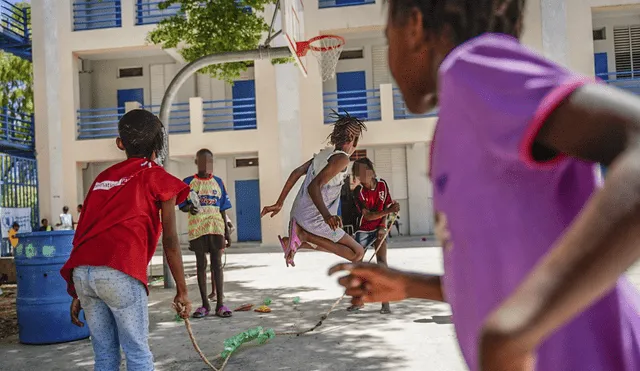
{"points": [[294, 243]]}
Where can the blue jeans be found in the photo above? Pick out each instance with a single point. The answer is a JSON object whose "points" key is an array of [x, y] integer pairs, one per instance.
{"points": [[115, 306]]}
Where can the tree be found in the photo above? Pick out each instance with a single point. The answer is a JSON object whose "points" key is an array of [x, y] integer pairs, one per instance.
{"points": [[16, 75], [214, 26]]}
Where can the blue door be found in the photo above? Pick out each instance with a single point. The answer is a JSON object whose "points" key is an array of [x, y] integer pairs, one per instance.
{"points": [[248, 210], [602, 65], [352, 96], [129, 95], [244, 104]]}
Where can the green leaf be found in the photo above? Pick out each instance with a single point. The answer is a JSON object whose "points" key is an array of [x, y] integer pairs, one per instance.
{"points": [[214, 26]]}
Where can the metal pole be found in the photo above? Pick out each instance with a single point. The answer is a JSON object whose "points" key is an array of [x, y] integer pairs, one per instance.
{"points": [[180, 78]]}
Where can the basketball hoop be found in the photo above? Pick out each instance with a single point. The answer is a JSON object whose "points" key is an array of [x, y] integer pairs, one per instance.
{"points": [[326, 49]]}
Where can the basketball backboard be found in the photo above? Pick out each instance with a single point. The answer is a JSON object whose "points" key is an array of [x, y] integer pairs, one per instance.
{"points": [[292, 14]]}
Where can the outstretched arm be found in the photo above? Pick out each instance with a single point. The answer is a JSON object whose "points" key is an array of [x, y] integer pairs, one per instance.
{"points": [[598, 124], [288, 185]]}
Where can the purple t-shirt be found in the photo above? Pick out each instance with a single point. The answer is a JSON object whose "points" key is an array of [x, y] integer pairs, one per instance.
{"points": [[498, 211]]}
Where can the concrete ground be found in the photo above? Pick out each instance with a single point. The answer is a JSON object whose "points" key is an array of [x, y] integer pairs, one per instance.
{"points": [[417, 336]]}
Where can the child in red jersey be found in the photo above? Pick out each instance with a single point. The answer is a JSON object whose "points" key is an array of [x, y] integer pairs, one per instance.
{"points": [[373, 201], [126, 209]]}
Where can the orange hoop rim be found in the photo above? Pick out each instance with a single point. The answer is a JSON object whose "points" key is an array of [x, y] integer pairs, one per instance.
{"points": [[303, 47]]}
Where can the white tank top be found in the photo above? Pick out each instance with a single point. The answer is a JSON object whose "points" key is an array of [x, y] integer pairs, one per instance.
{"points": [[321, 160]]}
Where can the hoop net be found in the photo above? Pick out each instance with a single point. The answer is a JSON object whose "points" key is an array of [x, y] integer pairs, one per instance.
{"points": [[326, 49]]}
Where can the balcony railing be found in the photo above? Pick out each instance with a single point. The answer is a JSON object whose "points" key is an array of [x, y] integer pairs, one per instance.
{"points": [[148, 12], [629, 81], [363, 104], [229, 114], [322, 4], [15, 21], [98, 123], [400, 110], [96, 14], [16, 130], [179, 117]]}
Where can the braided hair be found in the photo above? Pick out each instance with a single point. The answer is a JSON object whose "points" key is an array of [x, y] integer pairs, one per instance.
{"points": [[346, 129], [467, 18], [142, 134]]}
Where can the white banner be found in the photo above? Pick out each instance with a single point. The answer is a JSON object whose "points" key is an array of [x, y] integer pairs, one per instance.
{"points": [[8, 216]]}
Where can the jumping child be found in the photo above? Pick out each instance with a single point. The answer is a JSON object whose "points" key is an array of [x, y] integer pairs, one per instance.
{"points": [[374, 203], [126, 209], [314, 223], [208, 230], [534, 247]]}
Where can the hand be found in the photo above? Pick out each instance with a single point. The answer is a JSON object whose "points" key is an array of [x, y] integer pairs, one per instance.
{"points": [[501, 349], [182, 305], [372, 283], [227, 240], [273, 209], [334, 222], [193, 210], [394, 207], [75, 312]]}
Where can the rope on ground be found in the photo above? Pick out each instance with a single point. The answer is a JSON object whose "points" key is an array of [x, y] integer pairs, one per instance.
{"points": [[263, 336]]}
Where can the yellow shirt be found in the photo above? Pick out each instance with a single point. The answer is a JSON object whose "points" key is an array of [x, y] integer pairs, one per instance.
{"points": [[12, 237]]}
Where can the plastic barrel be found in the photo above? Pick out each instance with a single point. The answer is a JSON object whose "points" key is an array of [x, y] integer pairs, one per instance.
{"points": [[42, 301]]}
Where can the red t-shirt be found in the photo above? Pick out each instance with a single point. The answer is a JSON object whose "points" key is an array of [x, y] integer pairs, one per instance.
{"points": [[374, 200], [120, 224]]}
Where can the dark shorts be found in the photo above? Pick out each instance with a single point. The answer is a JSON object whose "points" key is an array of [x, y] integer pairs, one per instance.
{"points": [[366, 239], [209, 243]]}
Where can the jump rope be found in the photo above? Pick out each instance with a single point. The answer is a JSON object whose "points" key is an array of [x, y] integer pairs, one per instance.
{"points": [[263, 336]]}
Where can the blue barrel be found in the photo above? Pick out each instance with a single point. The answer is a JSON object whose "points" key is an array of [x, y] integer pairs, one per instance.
{"points": [[42, 301]]}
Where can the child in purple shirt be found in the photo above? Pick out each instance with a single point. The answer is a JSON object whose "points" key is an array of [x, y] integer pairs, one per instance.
{"points": [[534, 246]]}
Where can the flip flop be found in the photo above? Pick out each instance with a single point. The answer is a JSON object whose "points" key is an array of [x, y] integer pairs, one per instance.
{"points": [[386, 309], [355, 308], [294, 243], [201, 312], [223, 312], [244, 308], [263, 309], [286, 250]]}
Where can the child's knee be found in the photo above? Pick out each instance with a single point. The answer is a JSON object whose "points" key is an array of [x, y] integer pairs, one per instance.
{"points": [[359, 254], [201, 264]]}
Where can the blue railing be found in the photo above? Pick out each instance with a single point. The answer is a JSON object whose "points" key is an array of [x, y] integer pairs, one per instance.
{"points": [[15, 21], [96, 123], [96, 14], [230, 114], [16, 130], [629, 81], [19, 184], [363, 104], [148, 11], [322, 4], [400, 110], [179, 117]]}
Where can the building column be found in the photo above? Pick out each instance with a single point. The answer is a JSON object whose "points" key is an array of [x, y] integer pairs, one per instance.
{"points": [[54, 80], [420, 190], [555, 43], [278, 114]]}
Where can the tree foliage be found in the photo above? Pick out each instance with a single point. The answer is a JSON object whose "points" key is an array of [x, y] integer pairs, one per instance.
{"points": [[16, 79], [214, 26]]}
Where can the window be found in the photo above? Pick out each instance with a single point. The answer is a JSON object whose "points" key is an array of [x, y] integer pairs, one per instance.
{"points": [[600, 34], [247, 162], [352, 54], [129, 72], [626, 41]]}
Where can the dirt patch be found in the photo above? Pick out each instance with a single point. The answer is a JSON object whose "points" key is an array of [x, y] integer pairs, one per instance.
{"points": [[8, 314]]}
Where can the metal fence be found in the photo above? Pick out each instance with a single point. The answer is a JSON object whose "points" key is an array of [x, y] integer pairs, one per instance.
{"points": [[19, 184], [322, 4], [230, 114], [400, 110], [16, 129], [149, 12]]}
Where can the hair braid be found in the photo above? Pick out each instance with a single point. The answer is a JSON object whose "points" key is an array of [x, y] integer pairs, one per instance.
{"points": [[345, 129]]}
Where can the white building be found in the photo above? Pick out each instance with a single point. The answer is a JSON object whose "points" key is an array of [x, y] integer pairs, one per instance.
{"points": [[91, 63]]}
